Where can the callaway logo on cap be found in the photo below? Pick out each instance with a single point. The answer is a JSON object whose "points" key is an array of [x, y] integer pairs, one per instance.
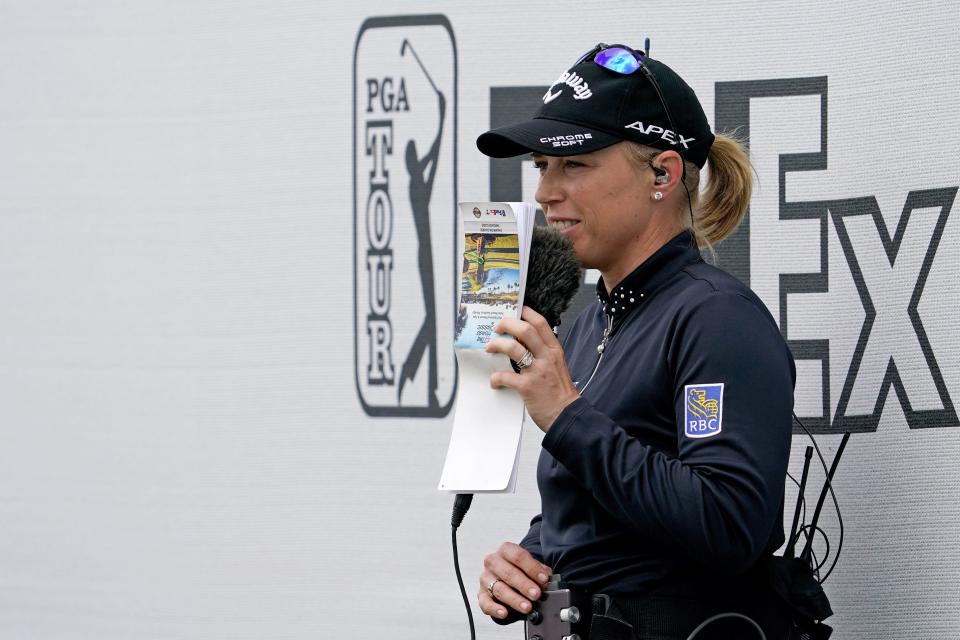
{"points": [[581, 90]]}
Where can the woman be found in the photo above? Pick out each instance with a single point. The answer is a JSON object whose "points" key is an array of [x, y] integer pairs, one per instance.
{"points": [[667, 412]]}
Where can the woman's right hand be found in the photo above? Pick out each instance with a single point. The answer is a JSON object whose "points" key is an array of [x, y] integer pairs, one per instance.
{"points": [[517, 580]]}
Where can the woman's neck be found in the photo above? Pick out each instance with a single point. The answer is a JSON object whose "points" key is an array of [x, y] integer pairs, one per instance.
{"points": [[645, 246]]}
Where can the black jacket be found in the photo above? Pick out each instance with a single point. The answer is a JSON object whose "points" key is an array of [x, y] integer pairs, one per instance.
{"points": [[672, 462]]}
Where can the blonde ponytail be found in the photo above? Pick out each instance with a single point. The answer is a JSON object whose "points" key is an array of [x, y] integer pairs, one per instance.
{"points": [[726, 196]]}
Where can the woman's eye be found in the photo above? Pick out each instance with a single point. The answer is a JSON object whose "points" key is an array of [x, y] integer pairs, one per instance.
{"points": [[541, 166], [573, 164]]}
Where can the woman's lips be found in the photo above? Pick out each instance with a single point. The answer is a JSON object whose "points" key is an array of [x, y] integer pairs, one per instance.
{"points": [[563, 225]]}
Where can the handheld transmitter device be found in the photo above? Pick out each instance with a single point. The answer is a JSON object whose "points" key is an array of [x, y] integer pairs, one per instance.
{"points": [[560, 614]]}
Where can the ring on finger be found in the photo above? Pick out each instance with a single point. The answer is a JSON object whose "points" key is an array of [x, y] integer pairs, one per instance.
{"points": [[526, 360], [492, 584]]}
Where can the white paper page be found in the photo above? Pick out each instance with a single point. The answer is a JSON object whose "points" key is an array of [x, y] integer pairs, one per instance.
{"points": [[525, 214], [485, 441]]}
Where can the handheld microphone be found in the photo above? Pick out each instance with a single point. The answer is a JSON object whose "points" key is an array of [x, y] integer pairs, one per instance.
{"points": [[553, 274]]}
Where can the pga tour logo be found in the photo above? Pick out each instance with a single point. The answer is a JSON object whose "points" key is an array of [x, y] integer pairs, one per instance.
{"points": [[405, 206]]}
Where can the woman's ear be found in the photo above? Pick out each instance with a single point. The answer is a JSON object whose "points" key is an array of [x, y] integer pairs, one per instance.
{"points": [[668, 171]]}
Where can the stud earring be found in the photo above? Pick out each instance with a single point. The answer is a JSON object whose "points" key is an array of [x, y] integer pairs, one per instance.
{"points": [[658, 195]]}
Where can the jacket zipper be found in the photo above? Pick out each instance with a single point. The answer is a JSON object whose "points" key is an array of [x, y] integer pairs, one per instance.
{"points": [[600, 349]]}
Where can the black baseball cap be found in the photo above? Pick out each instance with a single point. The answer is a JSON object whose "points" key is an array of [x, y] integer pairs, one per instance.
{"points": [[590, 107]]}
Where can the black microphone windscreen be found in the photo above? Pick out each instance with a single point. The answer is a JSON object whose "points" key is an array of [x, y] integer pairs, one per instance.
{"points": [[553, 274]]}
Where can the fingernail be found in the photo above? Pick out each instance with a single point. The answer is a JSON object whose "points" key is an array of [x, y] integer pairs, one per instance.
{"points": [[532, 591], [543, 577], [501, 613], [524, 605]]}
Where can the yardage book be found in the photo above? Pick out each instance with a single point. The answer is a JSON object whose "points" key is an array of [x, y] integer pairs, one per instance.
{"points": [[485, 440]]}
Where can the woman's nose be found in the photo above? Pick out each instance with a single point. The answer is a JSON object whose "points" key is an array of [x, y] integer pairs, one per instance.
{"points": [[549, 188]]}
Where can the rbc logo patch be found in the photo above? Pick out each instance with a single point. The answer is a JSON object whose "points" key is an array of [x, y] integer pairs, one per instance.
{"points": [[703, 412]]}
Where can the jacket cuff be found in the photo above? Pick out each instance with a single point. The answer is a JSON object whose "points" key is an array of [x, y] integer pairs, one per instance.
{"points": [[553, 440]]}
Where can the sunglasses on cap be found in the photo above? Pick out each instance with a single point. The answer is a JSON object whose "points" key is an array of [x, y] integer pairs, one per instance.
{"points": [[618, 58]]}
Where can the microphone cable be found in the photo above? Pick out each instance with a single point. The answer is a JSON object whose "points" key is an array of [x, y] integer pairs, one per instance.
{"points": [[720, 616], [811, 529], [461, 503]]}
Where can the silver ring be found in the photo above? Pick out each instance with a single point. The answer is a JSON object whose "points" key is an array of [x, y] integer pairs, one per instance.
{"points": [[491, 586], [526, 360]]}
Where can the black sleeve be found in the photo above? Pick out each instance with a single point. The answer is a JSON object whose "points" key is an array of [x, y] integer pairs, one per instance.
{"points": [[531, 541], [720, 499]]}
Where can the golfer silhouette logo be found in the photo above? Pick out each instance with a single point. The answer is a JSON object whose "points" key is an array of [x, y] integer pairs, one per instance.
{"points": [[405, 212], [422, 172]]}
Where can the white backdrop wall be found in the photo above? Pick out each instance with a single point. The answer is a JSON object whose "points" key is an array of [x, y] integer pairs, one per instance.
{"points": [[196, 440]]}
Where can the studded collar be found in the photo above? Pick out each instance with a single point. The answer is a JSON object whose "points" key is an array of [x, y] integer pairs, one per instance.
{"points": [[640, 285]]}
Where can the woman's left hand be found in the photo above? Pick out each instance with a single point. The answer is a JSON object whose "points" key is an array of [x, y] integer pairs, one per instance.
{"points": [[545, 385]]}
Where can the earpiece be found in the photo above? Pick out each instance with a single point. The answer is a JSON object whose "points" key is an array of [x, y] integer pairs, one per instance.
{"points": [[662, 176]]}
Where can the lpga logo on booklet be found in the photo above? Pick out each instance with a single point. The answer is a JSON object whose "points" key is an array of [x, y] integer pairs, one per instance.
{"points": [[703, 414], [405, 215]]}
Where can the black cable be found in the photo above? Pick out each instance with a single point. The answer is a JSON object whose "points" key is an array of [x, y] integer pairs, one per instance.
{"points": [[840, 542], [463, 592], [729, 614], [460, 505], [801, 502], [813, 532], [828, 483], [816, 571]]}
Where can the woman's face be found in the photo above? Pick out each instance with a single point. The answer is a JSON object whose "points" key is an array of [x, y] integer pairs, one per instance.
{"points": [[602, 203]]}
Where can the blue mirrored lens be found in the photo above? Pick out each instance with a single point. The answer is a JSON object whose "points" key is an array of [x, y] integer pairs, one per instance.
{"points": [[618, 60]]}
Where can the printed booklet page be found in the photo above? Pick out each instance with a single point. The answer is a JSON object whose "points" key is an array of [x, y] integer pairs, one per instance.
{"points": [[485, 440]]}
